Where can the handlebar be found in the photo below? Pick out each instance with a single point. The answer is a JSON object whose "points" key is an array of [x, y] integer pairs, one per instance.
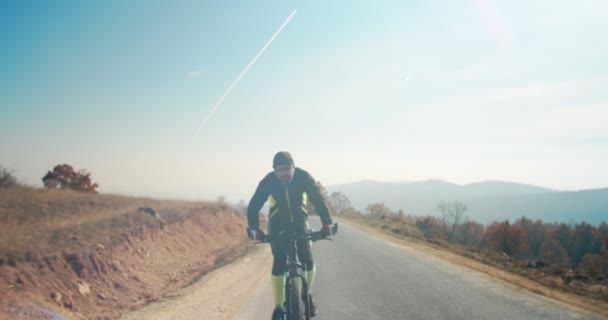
{"points": [[313, 235]]}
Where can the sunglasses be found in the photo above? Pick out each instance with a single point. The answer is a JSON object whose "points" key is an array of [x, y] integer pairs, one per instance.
{"points": [[282, 168]]}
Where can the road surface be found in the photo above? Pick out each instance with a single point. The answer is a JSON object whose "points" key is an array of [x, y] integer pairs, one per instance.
{"points": [[360, 276], [364, 277]]}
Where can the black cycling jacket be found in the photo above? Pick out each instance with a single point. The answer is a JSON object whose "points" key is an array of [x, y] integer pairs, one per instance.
{"points": [[287, 202]]}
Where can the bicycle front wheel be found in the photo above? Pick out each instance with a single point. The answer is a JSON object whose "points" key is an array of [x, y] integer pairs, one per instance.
{"points": [[295, 305]]}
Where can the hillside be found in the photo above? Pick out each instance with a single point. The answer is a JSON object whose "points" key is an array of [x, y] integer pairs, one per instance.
{"points": [[90, 256]]}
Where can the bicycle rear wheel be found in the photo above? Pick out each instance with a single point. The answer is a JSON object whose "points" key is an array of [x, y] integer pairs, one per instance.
{"points": [[295, 305]]}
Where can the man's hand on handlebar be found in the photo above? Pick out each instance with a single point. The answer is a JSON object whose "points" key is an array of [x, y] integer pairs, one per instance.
{"points": [[328, 230], [255, 234]]}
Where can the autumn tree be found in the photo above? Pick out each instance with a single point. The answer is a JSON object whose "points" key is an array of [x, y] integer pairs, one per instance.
{"points": [[594, 265], [469, 234], [581, 243], [507, 238], [563, 234], [553, 252], [64, 176], [537, 233], [600, 237]]}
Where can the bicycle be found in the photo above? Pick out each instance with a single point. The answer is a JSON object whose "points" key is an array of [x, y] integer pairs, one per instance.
{"points": [[296, 305]]}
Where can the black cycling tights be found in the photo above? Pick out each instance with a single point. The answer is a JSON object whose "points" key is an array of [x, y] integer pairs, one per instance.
{"points": [[279, 247]]}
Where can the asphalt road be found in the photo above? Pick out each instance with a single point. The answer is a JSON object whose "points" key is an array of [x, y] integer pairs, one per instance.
{"points": [[364, 277]]}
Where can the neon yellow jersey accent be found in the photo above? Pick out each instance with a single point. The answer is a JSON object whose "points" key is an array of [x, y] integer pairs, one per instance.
{"points": [[304, 202], [273, 206]]}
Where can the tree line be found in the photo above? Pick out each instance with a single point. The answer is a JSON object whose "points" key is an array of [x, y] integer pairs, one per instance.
{"points": [[63, 176], [572, 246]]}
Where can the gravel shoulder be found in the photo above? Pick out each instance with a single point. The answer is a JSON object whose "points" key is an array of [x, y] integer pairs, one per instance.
{"points": [[218, 295]]}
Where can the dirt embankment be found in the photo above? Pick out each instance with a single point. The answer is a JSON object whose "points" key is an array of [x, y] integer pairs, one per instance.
{"points": [[71, 272]]}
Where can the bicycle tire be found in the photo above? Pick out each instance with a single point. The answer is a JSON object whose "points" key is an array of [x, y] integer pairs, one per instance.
{"points": [[295, 305]]}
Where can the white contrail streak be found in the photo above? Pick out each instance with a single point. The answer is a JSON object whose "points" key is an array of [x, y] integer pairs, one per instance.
{"points": [[217, 104]]}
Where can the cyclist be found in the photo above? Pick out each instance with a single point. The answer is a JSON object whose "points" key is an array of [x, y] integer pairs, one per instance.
{"points": [[287, 189]]}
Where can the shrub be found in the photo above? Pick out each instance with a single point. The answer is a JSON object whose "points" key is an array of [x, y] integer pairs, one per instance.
{"points": [[64, 176], [7, 179]]}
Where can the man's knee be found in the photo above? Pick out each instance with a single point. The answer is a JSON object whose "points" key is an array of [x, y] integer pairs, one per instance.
{"points": [[278, 268], [279, 262]]}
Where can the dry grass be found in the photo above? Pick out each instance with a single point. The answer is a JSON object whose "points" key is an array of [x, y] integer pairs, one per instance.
{"points": [[37, 221]]}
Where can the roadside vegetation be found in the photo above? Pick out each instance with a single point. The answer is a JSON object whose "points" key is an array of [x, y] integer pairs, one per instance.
{"points": [[68, 212], [568, 257]]}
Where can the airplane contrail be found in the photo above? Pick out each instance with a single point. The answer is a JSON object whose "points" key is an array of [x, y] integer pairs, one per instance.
{"points": [[217, 104]]}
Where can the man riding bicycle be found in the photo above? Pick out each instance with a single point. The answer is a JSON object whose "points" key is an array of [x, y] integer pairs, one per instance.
{"points": [[287, 189]]}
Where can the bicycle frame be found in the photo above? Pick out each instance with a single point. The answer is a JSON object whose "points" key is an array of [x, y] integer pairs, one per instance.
{"points": [[296, 286], [295, 270]]}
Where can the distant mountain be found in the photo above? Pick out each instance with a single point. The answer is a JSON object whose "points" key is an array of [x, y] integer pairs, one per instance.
{"points": [[487, 201], [569, 207], [502, 188]]}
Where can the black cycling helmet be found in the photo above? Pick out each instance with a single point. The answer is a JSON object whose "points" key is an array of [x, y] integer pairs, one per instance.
{"points": [[282, 158]]}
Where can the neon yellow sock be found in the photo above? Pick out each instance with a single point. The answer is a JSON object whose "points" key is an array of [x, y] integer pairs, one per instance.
{"points": [[310, 277], [278, 289]]}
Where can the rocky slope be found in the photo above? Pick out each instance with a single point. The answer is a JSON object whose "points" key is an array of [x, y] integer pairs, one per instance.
{"points": [[72, 275]]}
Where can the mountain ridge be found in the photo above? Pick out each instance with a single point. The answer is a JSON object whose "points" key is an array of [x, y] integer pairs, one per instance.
{"points": [[486, 200]]}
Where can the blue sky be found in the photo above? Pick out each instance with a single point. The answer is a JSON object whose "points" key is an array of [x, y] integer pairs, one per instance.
{"points": [[387, 90]]}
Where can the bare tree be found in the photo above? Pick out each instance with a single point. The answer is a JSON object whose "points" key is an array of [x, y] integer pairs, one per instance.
{"points": [[378, 210], [7, 179], [310, 208], [339, 201], [220, 200], [452, 215]]}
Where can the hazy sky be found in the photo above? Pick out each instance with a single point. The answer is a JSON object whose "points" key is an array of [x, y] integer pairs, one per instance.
{"points": [[387, 90]]}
